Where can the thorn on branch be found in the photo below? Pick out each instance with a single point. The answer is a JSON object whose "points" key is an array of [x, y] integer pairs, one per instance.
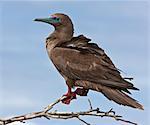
{"points": [[23, 121], [111, 111], [98, 111]]}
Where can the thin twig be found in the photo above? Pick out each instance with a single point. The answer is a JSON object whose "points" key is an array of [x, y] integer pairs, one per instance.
{"points": [[50, 106], [83, 121], [90, 104]]}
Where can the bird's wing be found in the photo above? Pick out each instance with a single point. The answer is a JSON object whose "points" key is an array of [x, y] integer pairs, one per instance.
{"points": [[80, 60]]}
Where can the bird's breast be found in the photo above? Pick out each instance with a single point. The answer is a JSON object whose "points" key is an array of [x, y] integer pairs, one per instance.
{"points": [[50, 46]]}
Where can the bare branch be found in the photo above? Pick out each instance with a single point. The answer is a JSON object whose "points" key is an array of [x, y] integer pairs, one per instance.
{"points": [[46, 113], [50, 106]]}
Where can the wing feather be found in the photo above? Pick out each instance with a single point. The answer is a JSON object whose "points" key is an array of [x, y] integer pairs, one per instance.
{"points": [[80, 60]]}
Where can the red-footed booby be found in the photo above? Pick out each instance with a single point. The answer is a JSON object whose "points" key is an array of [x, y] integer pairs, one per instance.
{"points": [[85, 65]]}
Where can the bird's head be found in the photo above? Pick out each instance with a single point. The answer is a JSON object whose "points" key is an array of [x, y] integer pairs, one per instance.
{"points": [[61, 22], [57, 20]]}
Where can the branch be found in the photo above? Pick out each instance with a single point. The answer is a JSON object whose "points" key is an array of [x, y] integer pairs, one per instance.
{"points": [[46, 113]]}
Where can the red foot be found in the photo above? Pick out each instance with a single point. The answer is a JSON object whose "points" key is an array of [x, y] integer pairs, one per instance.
{"points": [[72, 95], [69, 96]]}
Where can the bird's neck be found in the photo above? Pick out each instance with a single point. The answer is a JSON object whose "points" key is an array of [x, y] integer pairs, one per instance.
{"points": [[58, 37], [63, 33]]}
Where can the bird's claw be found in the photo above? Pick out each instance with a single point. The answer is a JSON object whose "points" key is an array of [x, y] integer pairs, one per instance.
{"points": [[69, 97], [72, 95]]}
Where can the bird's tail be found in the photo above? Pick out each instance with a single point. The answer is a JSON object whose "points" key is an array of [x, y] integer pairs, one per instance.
{"points": [[116, 95], [121, 98]]}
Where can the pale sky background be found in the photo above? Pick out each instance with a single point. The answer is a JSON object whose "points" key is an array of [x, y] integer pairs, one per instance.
{"points": [[29, 81]]}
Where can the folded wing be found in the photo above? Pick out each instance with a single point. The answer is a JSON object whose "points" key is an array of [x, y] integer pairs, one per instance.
{"points": [[79, 59]]}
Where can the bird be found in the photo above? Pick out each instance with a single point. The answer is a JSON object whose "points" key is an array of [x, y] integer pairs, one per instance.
{"points": [[84, 65]]}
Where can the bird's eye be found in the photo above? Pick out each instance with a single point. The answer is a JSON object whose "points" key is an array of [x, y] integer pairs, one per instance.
{"points": [[56, 18]]}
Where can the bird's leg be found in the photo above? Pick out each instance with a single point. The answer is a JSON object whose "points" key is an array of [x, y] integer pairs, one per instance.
{"points": [[81, 91], [69, 95], [69, 91]]}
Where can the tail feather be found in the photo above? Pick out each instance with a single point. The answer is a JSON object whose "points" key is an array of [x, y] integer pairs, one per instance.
{"points": [[121, 98], [116, 95]]}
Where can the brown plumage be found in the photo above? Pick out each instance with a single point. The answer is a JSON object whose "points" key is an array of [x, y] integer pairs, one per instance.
{"points": [[84, 64]]}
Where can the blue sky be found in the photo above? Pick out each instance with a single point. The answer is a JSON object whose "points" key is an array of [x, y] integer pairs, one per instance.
{"points": [[29, 81]]}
